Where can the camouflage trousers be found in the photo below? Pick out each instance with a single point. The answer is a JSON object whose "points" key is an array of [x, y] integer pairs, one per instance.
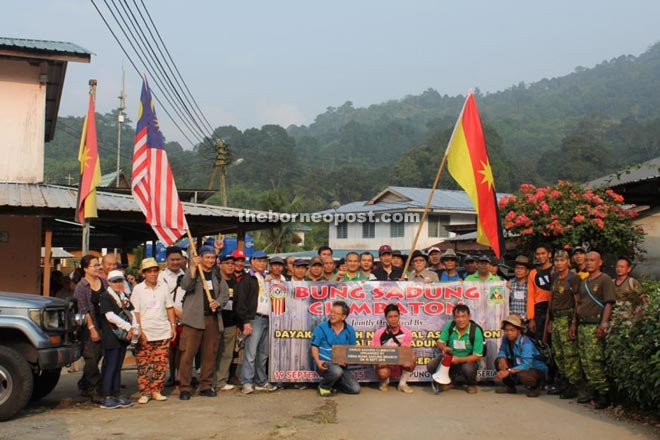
{"points": [[592, 358], [565, 350], [152, 363]]}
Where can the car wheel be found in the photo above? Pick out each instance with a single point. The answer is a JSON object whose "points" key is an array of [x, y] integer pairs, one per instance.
{"points": [[45, 382], [15, 382]]}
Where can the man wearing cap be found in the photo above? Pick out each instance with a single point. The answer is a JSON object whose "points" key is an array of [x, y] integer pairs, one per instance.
{"points": [[469, 266], [171, 276], [299, 270], [154, 312], [315, 272], [518, 286], [449, 274], [202, 323], [538, 290], [594, 308], [386, 271], [225, 352], [367, 266], [627, 288], [518, 360], [254, 307], [420, 272], [561, 310], [482, 274], [239, 264], [579, 255], [434, 262], [276, 270]]}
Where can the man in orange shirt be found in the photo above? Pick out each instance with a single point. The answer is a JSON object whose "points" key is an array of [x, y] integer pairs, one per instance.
{"points": [[538, 290]]}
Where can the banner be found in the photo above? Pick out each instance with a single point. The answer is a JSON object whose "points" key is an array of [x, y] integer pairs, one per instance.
{"points": [[299, 306]]}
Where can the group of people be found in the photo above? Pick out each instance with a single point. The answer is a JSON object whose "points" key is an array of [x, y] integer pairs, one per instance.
{"points": [[199, 310]]}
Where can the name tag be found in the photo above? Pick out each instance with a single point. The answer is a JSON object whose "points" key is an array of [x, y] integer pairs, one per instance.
{"points": [[459, 345], [209, 284], [228, 306], [518, 295]]}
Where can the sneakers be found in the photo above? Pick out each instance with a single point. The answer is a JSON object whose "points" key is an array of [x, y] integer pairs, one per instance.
{"points": [[124, 402], [325, 392], [269, 387], [248, 388], [384, 385], [185, 395], [208, 393], [471, 389], [109, 403], [227, 387], [505, 390], [143, 399], [405, 388], [158, 397]]}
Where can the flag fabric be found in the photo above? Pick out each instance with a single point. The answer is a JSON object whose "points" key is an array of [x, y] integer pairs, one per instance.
{"points": [[467, 161], [153, 184], [90, 167]]}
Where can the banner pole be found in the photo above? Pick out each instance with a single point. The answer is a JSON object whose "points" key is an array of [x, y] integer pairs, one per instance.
{"points": [[193, 251]]}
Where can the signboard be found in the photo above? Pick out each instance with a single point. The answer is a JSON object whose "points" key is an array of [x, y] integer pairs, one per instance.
{"points": [[425, 309]]}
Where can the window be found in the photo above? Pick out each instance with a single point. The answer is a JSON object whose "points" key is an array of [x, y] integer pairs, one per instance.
{"points": [[396, 229], [437, 225], [368, 230], [342, 230]]}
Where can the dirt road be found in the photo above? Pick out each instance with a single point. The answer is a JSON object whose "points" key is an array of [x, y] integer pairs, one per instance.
{"points": [[301, 414]]}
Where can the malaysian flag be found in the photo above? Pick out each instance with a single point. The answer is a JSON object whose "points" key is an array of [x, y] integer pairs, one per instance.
{"points": [[153, 185]]}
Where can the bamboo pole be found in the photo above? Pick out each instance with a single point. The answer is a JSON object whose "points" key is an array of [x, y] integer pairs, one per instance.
{"points": [[193, 252]]}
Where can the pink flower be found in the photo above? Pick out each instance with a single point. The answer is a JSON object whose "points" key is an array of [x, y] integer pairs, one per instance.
{"points": [[527, 187], [510, 216], [544, 207], [554, 194], [616, 197], [527, 231], [578, 218]]}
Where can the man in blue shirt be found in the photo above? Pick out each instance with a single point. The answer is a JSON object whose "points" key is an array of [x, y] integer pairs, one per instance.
{"points": [[518, 360], [335, 331]]}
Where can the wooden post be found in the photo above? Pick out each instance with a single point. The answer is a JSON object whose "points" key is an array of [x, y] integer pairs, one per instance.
{"points": [[240, 240], [47, 251], [193, 253]]}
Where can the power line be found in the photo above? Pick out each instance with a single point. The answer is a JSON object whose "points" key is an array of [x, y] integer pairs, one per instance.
{"points": [[173, 63], [149, 68], [138, 72]]}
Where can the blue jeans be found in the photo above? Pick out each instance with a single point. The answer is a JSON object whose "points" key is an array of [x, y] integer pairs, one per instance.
{"points": [[255, 353], [340, 378], [111, 371]]}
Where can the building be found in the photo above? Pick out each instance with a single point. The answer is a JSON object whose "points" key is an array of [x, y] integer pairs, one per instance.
{"points": [[640, 185], [392, 217]]}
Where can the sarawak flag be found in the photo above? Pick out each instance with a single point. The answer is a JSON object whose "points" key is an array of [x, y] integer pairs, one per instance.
{"points": [[90, 167], [153, 185], [468, 164]]}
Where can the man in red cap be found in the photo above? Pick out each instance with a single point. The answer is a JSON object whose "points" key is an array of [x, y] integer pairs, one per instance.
{"points": [[385, 270], [239, 264]]}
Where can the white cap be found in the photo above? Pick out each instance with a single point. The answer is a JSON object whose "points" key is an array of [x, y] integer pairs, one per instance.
{"points": [[115, 275], [433, 249]]}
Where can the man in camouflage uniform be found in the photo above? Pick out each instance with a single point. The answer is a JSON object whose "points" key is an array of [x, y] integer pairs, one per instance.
{"points": [[593, 310], [563, 290]]}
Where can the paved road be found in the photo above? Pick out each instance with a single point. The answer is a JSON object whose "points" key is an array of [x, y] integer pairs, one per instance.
{"points": [[301, 414]]}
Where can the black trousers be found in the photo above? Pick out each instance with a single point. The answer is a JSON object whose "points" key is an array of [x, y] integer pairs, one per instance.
{"points": [[111, 371]]}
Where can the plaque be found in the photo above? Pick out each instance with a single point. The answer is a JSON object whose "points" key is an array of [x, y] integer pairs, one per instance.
{"points": [[371, 355]]}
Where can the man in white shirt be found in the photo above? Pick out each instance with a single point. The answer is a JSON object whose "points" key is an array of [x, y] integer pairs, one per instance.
{"points": [[171, 277]]}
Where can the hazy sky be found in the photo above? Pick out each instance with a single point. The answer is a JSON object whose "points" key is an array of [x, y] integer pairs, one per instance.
{"points": [[255, 62]]}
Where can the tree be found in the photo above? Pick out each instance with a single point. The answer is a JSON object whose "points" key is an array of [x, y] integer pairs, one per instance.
{"points": [[566, 215]]}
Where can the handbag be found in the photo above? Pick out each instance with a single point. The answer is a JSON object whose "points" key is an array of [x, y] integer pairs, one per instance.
{"points": [[120, 333]]}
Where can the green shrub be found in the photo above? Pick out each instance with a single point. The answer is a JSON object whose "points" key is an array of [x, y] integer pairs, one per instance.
{"points": [[633, 351]]}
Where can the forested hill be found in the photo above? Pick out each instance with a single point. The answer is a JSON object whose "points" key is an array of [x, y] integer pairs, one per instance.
{"points": [[576, 127]]}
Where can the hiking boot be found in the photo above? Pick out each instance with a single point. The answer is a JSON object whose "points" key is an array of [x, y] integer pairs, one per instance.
{"points": [[471, 389], [384, 385], [601, 401], [568, 393], [534, 392], [505, 390], [209, 392], [586, 398], [405, 388]]}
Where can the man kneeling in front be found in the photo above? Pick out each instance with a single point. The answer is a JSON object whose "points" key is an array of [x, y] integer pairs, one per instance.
{"points": [[335, 331], [518, 360]]}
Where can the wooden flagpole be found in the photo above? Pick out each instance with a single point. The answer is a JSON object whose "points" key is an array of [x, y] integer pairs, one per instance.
{"points": [[435, 185], [193, 251]]}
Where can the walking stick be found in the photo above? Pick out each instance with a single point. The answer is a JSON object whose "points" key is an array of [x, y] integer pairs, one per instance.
{"points": [[200, 270]]}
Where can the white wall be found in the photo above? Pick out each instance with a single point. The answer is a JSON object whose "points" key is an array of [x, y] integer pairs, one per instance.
{"points": [[22, 122], [354, 238]]}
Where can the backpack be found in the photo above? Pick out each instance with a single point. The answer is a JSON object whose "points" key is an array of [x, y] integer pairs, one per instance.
{"points": [[473, 330], [545, 353]]}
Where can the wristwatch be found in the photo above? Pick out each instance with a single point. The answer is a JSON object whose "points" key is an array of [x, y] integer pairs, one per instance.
{"points": [[508, 370]]}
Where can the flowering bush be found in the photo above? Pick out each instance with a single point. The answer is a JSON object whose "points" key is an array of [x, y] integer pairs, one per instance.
{"points": [[566, 214]]}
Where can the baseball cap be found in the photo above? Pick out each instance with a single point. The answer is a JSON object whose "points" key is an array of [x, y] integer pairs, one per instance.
{"points": [[384, 249], [256, 255], [316, 261], [469, 258], [300, 262], [277, 260], [115, 275], [205, 250], [433, 249], [238, 254], [223, 258]]}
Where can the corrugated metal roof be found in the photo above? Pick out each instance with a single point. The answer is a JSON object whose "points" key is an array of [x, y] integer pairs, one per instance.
{"points": [[43, 45], [413, 198], [55, 196], [637, 173]]}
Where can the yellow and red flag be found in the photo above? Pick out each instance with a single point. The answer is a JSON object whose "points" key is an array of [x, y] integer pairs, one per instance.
{"points": [[90, 167], [467, 161]]}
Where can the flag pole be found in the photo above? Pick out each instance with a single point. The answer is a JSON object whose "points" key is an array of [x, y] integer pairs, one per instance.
{"points": [[193, 251], [435, 185], [85, 230]]}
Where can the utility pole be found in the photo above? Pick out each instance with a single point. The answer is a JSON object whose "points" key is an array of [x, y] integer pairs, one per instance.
{"points": [[120, 120], [222, 161], [85, 231]]}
